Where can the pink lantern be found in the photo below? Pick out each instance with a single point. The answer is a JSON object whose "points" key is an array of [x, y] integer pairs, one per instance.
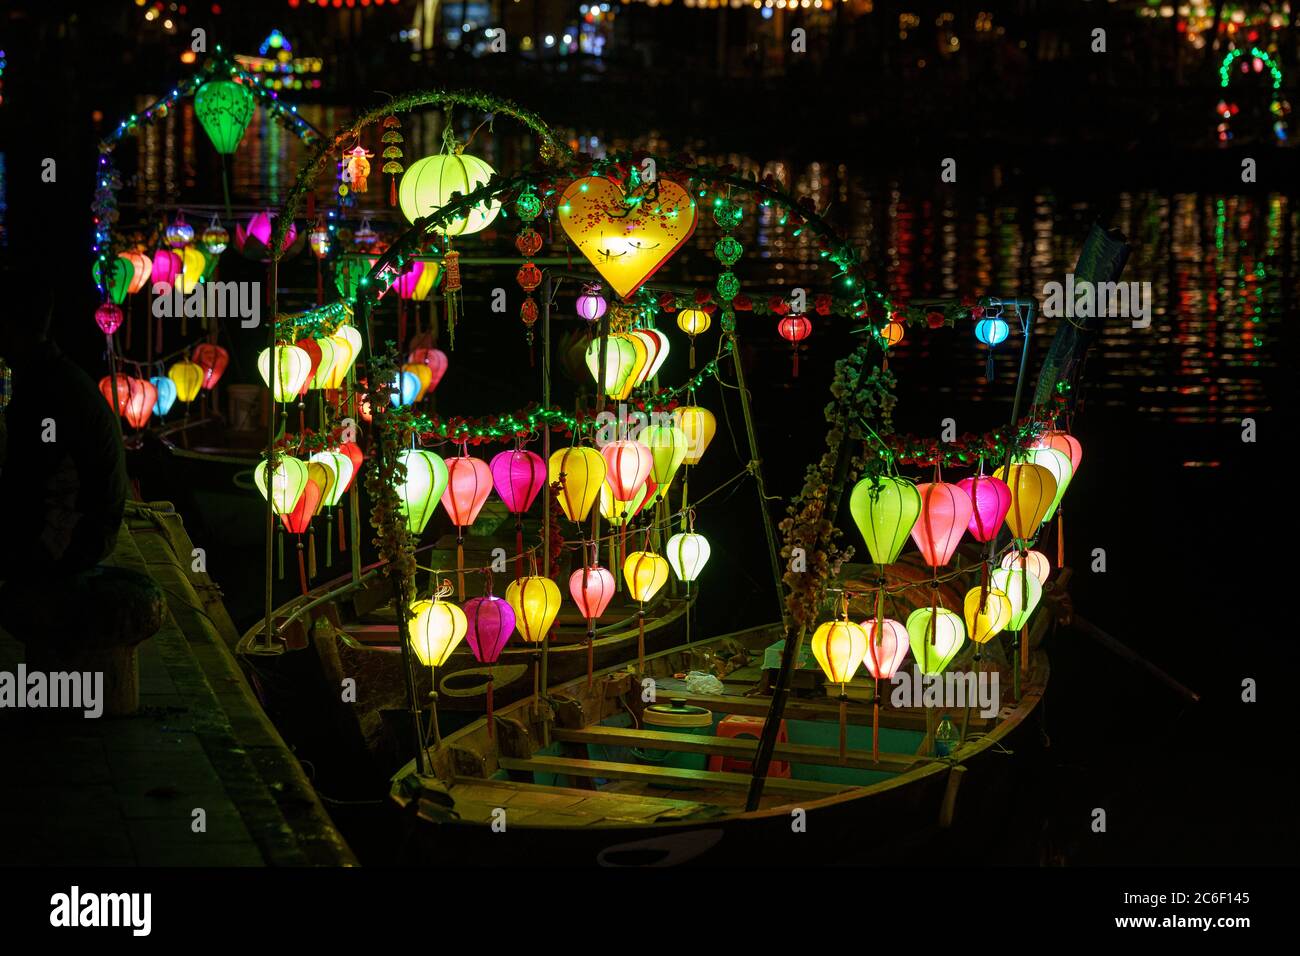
{"points": [[991, 500], [886, 655], [946, 510], [627, 466], [213, 359], [468, 482], [166, 267], [1035, 562], [1066, 444], [518, 476], [109, 318], [591, 304], [490, 622], [592, 588], [435, 359], [408, 280]]}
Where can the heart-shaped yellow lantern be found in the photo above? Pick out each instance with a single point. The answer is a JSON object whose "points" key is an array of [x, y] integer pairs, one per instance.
{"points": [[626, 237]]}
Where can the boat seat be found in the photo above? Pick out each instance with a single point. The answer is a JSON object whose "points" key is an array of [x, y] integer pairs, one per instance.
{"points": [[744, 726]]}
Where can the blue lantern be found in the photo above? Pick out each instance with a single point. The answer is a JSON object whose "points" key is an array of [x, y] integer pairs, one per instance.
{"points": [[405, 389], [166, 394], [992, 332]]}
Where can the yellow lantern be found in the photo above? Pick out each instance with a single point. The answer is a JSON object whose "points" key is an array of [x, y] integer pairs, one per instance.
{"points": [[344, 357], [620, 359], [645, 573], [293, 365], [424, 285], [891, 333], [982, 623], [320, 378], [286, 486], [429, 184], [839, 647], [1058, 463], [617, 512], [353, 338], [936, 635], [1032, 490], [535, 601], [187, 376], [423, 373], [693, 321], [580, 472], [640, 364], [436, 628], [193, 265], [699, 425], [325, 477]]}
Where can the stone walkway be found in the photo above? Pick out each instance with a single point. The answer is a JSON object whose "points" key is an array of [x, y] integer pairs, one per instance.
{"points": [[123, 791]]}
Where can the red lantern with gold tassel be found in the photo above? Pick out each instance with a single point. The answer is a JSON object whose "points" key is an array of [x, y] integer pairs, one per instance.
{"points": [[794, 329]]}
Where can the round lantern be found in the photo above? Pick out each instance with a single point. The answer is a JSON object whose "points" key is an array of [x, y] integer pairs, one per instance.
{"points": [[687, 553], [992, 332], [518, 476], [885, 509], [620, 361], [468, 482], [693, 321], [990, 500], [404, 390], [423, 373], [166, 268], [794, 329], [592, 588], [698, 425], [667, 446], [216, 238], [324, 365], [342, 468], [891, 333], [1032, 490], [1034, 561], [535, 601], [580, 472], [178, 233], [983, 623], [292, 367], [645, 573], [886, 648], [213, 359], [225, 109], [421, 490], [490, 621], [839, 647], [1065, 443], [627, 466], [591, 305], [428, 184], [109, 318], [166, 390], [1022, 590], [936, 635], [287, 483], [188, 377], [1058, 463], [435, 628], [141, 269], [945, 512]]}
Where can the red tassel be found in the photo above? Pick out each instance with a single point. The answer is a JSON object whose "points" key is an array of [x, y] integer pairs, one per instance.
{"points": [[640, 640], [489, 708], [302, 567], [392, 201], [591, 651], [519, 547], [343, 538]]}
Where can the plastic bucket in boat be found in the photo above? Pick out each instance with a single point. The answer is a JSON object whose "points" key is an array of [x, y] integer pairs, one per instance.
{"points": [[676, 717]]}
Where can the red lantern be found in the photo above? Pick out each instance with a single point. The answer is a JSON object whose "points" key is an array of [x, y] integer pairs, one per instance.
{"points": [[794, 329], [298, 520], [119, 384], [627, 466], [213, 359], [313, 351], [529, 276], [109, 318], [353, 451]]}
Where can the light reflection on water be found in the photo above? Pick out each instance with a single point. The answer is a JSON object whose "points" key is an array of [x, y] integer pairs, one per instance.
{"points": [[1218, 265]]}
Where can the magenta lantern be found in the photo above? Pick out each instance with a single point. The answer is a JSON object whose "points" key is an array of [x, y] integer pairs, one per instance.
{"points": [[166, 267], [490, 623], [409, 279], [435, 359], [591, 304], [109, 318], [627, 465], [945, 511], [518, 476], [991, 500]]}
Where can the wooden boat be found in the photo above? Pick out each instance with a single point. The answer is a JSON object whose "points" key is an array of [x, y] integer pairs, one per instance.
{"points": [[588, 786]]}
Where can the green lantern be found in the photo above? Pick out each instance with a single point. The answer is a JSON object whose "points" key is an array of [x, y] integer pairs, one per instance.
{"points": [[936, 635], [1058, 463], [620, 361], [668, 451], [225, 109], [1023, 590], [120, 274], [885, 509], [421, 490], [287, 483]]}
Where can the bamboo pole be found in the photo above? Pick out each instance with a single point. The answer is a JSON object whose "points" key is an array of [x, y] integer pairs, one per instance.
{"points": [[546, 454], [271, 464]]}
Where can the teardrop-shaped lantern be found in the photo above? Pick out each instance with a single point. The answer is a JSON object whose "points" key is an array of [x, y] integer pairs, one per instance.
{"points": [[667, 445], [658, 345], [986, 621], [885, 509], [645, 573], [535, 601], [933, 652], [193, 264], [579, 472], [421, 372], [166, 394], [469, 480], [313, 350], [213, 359], [342, 468], [886, 648], [1024, 597], [298, 520], [353, 451], [292, 368], [345, 356], [436, 627], [945, 512], [141, 269], [839, 647], [490, 622], [323, 475], [1035, 561], [287, 483], [404, 390], [139, 407], [698, 425], [620, 358], [1065, 443], [321, 371], [990, 500], [225, 109], [116, 390], [592, 588], [518, 476], [188, 378], [1058, 463], [166, 267], [619, 513], [421, 490], [627, 466], [436, 360], [1032, 490], [109, 318], [350, 335], [687, 553]]}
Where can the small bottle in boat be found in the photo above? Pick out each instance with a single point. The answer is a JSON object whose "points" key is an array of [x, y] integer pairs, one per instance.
{"points": [[946, 738]]}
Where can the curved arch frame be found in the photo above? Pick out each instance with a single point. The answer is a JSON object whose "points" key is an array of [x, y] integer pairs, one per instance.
{"points": [[1278, 106]]}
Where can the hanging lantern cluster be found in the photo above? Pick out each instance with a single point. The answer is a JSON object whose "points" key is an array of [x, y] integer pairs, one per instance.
{"points": [[528, 242], [131, 398]]}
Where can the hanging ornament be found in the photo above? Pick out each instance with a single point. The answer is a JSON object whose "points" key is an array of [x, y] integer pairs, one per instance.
{"points": [[469, 480], [886, 648], [839, 647], [1035, 562], [187, 376], [166, 389], [319, 240], [984, 621], [936, 635], [693, 322], [178, 233], [535, 601], [421, 489], [436, 628], [213, 359], [356, 170], [141, 269], [287, 483], [215, 237], [591, 305], [990, 500], [451, 288], [1033, 489], [224, 109], [885, 509], [698, 425], [577, 474], [292, 366], [891, 333], [668, 446], [1065, 443], [794, 329], [109, 318], [392, 140], [592, 588], [1023, 591], [946, 510], [992, 331], [1058, 463], [430, 183], [620, 361], [166, 267], [627, 466]]}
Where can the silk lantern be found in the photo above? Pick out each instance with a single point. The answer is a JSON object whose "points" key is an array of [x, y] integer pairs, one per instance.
{"points": [[668, 447], [118, 282], [645, 573], [891, 333], [423, 374], [420, 491], [342, 468], [699, 426], [986, 621], [188, 378], [620, 360], [936, 635], [225, 109], [292, 368], [215, 238], [1065, 443], [656, 346], [404, 390], [885, 509], [287, 483], [619, 513], [354, 452], [1034, 561], [109, 318], [407, 282], [535, 601], [435, 360], [436, 628], [428, 184], [794, 329], [687, 553], [1022, 590], [591, 305], [345, 356], [1032, 490], [314, 353], [469, 480], [1058, 463], [213, 359], [579, 471], [518, 476], [839, 647], [592, 588], [299, 519], [990, 500], [166, 389], [321, 371], [886, 648], [139, 406], [992, 332], [946, 510], [166, 267], [141, 269], [490, 621], [116, 390], [324, 476], [693, 322], [627, 466], [640, 365], [193, 265]]}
